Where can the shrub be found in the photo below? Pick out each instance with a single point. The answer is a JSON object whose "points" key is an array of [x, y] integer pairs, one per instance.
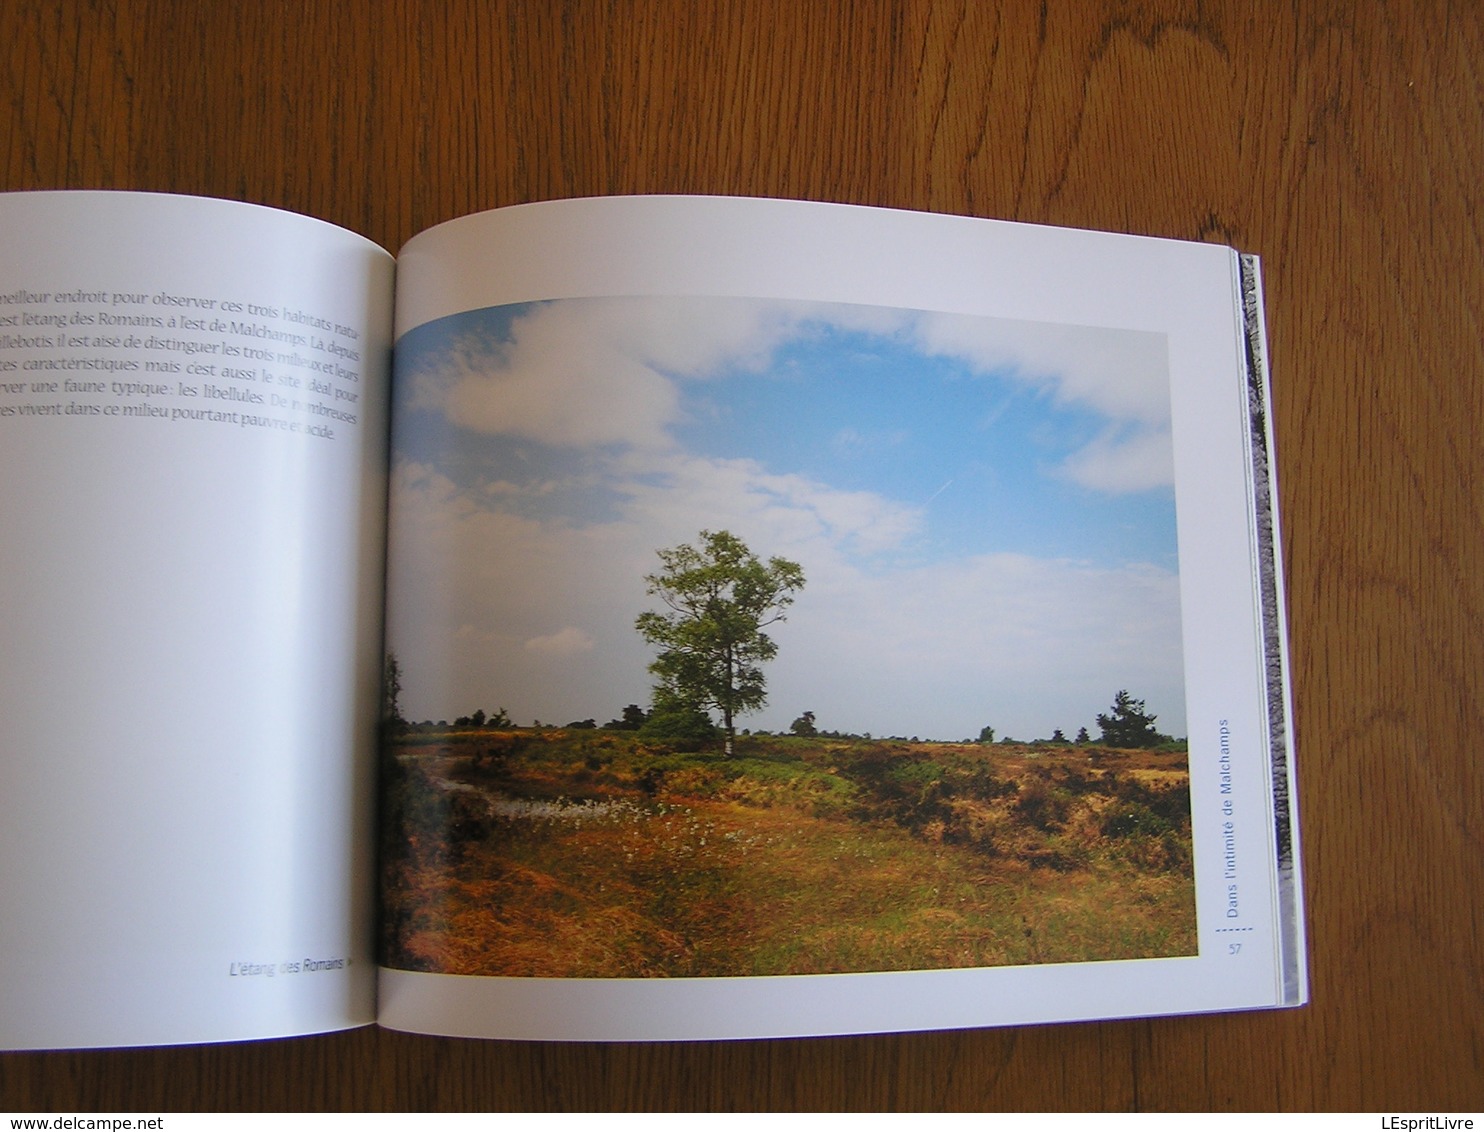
{"points": [[683, 728], [1041, 805], [1127, 819]]}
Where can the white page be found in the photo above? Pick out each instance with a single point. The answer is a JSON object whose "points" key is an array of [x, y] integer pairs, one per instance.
{"points": [[189, 579], [823, 253]]}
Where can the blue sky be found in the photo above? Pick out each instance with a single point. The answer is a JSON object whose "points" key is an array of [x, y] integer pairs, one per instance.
{"points": [[976, 452], [983, 508]]}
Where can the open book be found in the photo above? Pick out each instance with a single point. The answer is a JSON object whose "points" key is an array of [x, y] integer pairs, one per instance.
{"points": [[787, 619]]}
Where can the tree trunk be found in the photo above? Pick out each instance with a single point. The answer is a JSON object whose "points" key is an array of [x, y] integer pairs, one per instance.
{"points": [[726, 712]]}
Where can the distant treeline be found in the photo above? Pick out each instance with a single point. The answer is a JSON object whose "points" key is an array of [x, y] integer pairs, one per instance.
{"points": [[1127, 724]]}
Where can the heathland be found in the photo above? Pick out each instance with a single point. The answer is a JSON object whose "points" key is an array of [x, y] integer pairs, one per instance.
{"points": [[596, 853]]}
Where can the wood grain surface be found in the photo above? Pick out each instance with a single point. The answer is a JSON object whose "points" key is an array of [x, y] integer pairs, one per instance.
{"points": [[1341, 141]]}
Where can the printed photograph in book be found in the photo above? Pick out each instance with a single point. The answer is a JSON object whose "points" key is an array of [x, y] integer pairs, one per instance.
{"points": [[736, 637]]}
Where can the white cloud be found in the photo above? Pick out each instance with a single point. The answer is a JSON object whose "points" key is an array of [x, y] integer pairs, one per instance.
{"points": [[599, 371], [595, 372], [567, 641], [1020, 643], [1137, 461], [1123, 375], [487, 600], [683, 494], [470, 585], [605, 371]]}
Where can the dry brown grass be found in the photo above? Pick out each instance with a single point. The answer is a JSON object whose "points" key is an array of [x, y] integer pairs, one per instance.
{"points": [[793, 868]]}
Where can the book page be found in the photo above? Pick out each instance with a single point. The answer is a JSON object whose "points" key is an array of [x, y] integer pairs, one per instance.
{"points": [[192, 446], [810, 619]]}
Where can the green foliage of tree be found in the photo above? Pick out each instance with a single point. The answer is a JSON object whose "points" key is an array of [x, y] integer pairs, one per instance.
{"points": [[711, 643], [986, 735], [1127, 723], [632, 718], [804, 725], [1083, 736], [391, 693], [499, 719], [682, 725]]}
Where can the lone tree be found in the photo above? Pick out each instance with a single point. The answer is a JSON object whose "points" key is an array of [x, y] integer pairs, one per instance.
{"points": [[1128, 724], [711, 642], [391, 694]]}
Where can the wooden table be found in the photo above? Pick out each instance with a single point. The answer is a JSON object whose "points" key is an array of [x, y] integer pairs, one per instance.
{"points": [[1342, 141]]}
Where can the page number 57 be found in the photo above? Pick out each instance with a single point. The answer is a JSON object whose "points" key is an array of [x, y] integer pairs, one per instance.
{"points": [[1233, 948]]}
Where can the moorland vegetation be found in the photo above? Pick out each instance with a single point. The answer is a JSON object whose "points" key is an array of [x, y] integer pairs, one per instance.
{"points": [[591, 852]]}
